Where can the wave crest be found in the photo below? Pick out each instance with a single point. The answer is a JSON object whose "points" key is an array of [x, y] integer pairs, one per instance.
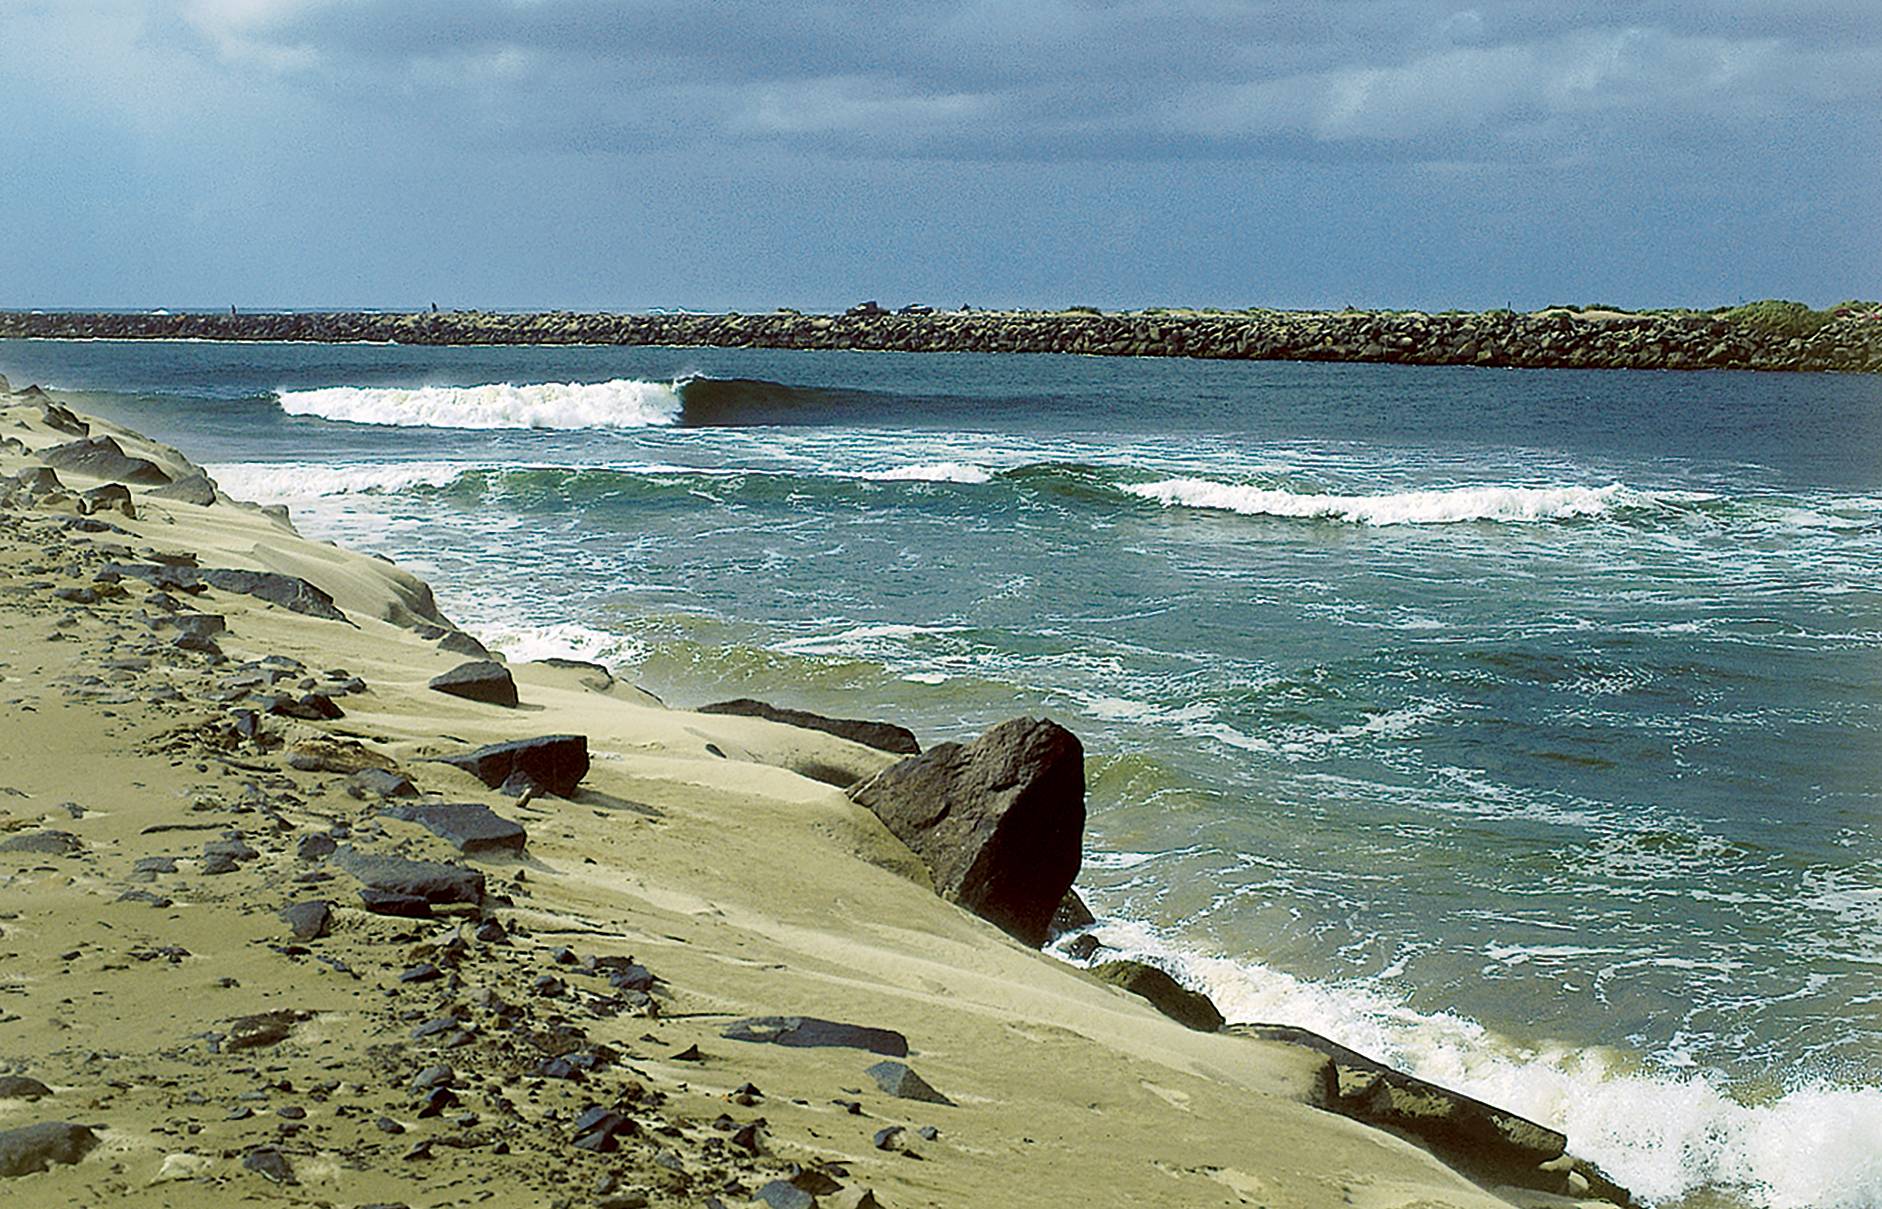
{"points": [[620, 403], [1440, 506]]}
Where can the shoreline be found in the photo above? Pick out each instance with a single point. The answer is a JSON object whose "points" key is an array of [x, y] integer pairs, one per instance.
{"points": [[666, 849], [1759, 337]]}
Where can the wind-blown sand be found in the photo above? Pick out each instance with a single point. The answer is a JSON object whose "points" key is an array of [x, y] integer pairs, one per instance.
{"points": [[748, 889]]}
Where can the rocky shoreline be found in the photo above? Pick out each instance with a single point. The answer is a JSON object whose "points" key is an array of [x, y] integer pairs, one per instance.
{"points": [[1768, 336]]}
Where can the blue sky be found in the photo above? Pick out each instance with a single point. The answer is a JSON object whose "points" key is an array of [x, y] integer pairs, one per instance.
{"points": [[714, 154]]}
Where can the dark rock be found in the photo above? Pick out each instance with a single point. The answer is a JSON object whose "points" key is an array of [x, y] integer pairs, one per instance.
{"points": [[1189, 1008], [553, 763], [457, 642], [888, 1137], [316, 847], [35, 1148], [80, 596], [190, 489], [20, 1087], [146, 897], [234, 849], [808, 1031], [270, 1164], [103, 458], [779, 1194], [474, 829], [260, 1030], [111, 497], [391, 885], [382, 782], [1072, 915], [43, 843], [898, 1080], [483, 680], [217, 863], [291, 593], [61, 419], [202, 625], [309, 920], [433, 1076], [999, 822], [424, 971], [1478, 1138], [883, 736], [38, 480]]}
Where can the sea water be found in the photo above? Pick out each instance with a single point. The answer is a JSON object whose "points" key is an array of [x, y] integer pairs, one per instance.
{"points": [[1520, 728]]}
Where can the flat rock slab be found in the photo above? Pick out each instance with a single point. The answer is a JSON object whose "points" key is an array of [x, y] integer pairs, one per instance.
{"points": [[898, 1080], [809, 1032], [480, 680], [103, 458], [1190, 1008], [35, 1148], [43, 843], [392, 885], [260, 1030], [883, 736], [190, 489], [473, 828], [999, 822], [290, 592], [1479, 1137], [553, 763]]}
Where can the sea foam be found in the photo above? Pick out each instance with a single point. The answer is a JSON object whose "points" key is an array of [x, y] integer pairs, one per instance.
{"points": [[1664, 1135], [621, 403], [270, 482], [934, 472], [1432, 507]]}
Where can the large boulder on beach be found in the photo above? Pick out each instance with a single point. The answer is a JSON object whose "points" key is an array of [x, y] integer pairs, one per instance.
{"points": [[34, 1148], [190, 489], [883, 736], [103, 458], [552, 764], [1482, 1140], [998, 822], [480, 680], [1191, 1009]]}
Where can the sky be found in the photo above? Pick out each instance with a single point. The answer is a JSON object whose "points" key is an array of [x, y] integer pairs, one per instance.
{"points": [[717, 154]]}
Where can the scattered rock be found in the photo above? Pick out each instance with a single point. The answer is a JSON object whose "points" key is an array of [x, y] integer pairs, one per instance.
{"points": [[883, 736], [780, 1194], [308, 920], [474, 829], [1189, 1008], [103, 458], [35, 1148], [808, 1031], [553, 764], [324, 754], [381, 782], [483, 680], [193, 488], [999, 822], [111, 497], [260, 1030], [457, 642], [898, 1080], [270, 1164], [391, 885], [1072, 915], [21, 1087], [43, 843]]}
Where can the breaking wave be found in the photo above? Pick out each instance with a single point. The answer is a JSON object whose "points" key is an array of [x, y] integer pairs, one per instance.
{"points": [[1433, 507], [621, 403], [1663, 1135]]}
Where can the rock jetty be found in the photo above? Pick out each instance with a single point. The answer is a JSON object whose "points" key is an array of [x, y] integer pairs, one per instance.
{"points": [[1759, 336]]}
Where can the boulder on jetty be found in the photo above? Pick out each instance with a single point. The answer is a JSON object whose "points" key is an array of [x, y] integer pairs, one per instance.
{"points": [[1192, 1009], [883, 736], [998, 822], [1480, 1139], [552, 764], [480, 680], [103, 458]]}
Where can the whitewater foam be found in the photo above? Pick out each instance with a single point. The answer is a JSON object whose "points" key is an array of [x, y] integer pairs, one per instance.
{"points": [[934, 472], [1433, 507], [1662, 1135], [621, 403], [272, 482]]}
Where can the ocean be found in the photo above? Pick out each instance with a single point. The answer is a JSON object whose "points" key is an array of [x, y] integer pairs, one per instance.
{"points": [[1520, 728]]}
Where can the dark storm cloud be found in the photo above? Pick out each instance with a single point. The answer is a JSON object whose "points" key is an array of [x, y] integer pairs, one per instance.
{"points": [[1045, 79]]}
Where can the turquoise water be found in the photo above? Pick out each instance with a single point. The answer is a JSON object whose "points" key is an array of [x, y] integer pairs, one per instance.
{"points": [[1520, 727]]}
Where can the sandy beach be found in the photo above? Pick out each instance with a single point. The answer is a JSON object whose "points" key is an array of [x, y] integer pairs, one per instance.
{"points": [[158, 819]]}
